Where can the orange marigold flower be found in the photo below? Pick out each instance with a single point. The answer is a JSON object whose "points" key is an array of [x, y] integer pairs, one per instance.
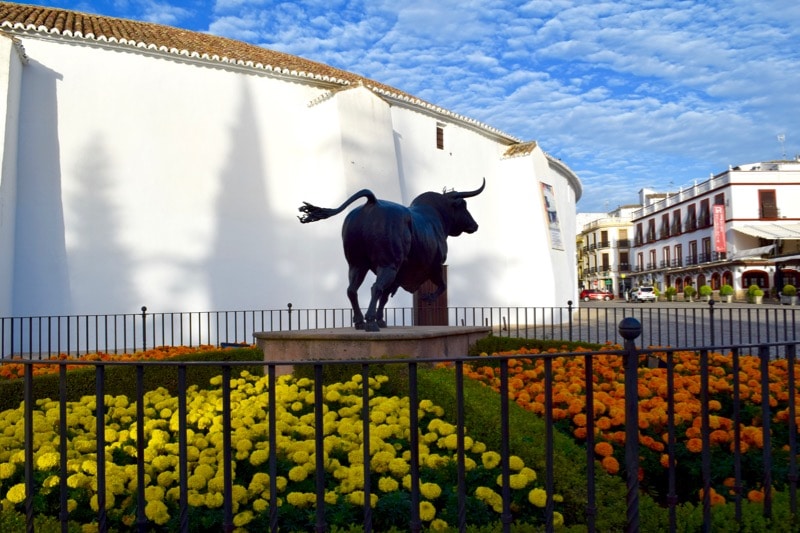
{"points": [[694, 445], [755, 496], [665, 460], [610, 465], [603, 449]]}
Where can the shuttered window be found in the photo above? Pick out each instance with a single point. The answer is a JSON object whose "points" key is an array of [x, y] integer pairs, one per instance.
{"points": [[768, 205], [440, 136]]}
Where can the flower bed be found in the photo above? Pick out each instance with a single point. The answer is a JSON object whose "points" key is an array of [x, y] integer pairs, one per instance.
{"points": [[526, 387], [344, 495]]}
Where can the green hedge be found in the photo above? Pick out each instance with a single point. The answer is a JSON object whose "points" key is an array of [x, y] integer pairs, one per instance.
{"points": [[121, 380], [492, 344]]}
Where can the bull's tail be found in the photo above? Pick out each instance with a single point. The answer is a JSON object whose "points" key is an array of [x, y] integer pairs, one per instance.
{"points": [[314, 213]]}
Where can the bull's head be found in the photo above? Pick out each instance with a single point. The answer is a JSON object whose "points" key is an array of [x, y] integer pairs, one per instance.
{"points": [[462, 221]]}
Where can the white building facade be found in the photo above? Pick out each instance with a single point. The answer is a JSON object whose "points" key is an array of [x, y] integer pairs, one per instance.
{"points": [[741, 227], [147, 165], [604, 251]]}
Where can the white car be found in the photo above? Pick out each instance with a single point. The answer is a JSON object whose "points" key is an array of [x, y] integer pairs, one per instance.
{"points": [[643, 294]]}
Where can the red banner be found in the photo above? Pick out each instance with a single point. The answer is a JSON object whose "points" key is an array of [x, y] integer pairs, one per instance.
{"points": [[719, 228]]}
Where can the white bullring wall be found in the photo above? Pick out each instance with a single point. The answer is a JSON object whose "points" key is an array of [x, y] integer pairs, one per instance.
{"points": [[174, 183]]}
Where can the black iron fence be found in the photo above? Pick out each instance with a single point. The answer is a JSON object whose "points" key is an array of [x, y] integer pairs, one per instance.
{"points": [[634, 358], [665, 324]]}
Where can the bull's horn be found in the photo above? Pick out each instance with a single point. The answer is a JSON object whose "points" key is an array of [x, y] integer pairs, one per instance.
{"points": [[470, 194]]}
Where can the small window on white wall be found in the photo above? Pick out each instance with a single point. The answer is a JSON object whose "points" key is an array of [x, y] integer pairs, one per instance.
{"points": [[440, 136]]}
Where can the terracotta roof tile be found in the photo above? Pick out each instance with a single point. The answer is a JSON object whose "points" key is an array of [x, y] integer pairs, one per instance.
{"points": [[166, 39]]}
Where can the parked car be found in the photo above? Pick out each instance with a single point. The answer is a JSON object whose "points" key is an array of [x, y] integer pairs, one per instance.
{"points": [[595, 294], [643, 294]]}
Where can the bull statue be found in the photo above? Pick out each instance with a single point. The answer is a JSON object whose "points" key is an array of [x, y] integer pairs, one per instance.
{"points": [[402, 246]]}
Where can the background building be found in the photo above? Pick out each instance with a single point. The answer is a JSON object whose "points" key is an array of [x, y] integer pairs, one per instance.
{"points": [[148, 165], [604, 246], [740, 227]]}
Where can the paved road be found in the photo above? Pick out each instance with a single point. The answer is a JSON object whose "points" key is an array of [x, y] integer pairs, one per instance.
{"points": [[677, 323]]}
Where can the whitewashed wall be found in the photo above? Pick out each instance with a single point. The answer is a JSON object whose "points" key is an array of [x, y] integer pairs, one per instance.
{"points": [[145, 180]]}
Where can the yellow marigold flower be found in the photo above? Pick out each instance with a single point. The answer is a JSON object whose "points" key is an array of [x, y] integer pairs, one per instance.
{"points": [[205, 470], [388, 484], [7, 470], [51, 481], [157, 512], [449, 442], [430, 491], [46, 461], [297, 499], [165, 479], [439, 525], [558, 519], [399, 467], [214, 500], [260, 505], [281, 483], [196, 499], [259, 457], [196, 482], [16, 494], [216, 484], [298, 473], [516, 463], [154, 493], [538, 497], [331, 497], [490, 459], [529, 473], [95, 504], [89, 467], [71, 505], [427, 511], [478, 447], [243, 518], [517, 481]]}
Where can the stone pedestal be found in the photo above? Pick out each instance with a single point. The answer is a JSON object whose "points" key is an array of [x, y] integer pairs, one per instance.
{"points": [[418, 342]]}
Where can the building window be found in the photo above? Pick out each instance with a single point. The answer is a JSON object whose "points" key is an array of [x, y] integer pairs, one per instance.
{"points": [[691, 218], [719, 199], [767, 203], [678, 255], [705, 214], [676, 222], [666, 258], [692, 259], [706, 244], [664, 226], [440, 136], [638, 240], [651, 230]]}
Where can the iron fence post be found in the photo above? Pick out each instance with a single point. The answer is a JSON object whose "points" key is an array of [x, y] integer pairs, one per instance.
{"points": [[569, 317], [711, 319], [289, 305], [630, 329], [144, 330]]}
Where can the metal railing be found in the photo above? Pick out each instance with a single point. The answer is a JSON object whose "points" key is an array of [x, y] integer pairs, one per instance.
{"points": [[629, 328], [696, 324]]}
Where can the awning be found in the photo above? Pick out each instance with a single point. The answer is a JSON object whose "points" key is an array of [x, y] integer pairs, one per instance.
{"points": [[789, 230], [752, 252]]}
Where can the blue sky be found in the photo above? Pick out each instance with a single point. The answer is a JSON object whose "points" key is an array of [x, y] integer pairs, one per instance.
{"points": [[629, 94]]}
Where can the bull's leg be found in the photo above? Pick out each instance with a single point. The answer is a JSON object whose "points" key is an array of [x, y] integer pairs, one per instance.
{"points": [[356, 276], [438, 280], [384, 279], [381, 304]]}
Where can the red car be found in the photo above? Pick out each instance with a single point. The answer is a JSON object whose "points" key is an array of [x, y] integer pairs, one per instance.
{"points": [[595, 294]]}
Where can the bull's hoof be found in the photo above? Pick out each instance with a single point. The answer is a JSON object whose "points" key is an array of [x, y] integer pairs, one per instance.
{"points": [[372, 326], [382, 323], [359, 325]]}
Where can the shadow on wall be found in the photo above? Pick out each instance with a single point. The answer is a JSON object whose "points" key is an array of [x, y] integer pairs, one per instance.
{"points": [[99, 263], [244, 269], [41, 277]]}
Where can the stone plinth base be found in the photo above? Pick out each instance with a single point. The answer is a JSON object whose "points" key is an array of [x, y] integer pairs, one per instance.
{"points": [[419, 342]]}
